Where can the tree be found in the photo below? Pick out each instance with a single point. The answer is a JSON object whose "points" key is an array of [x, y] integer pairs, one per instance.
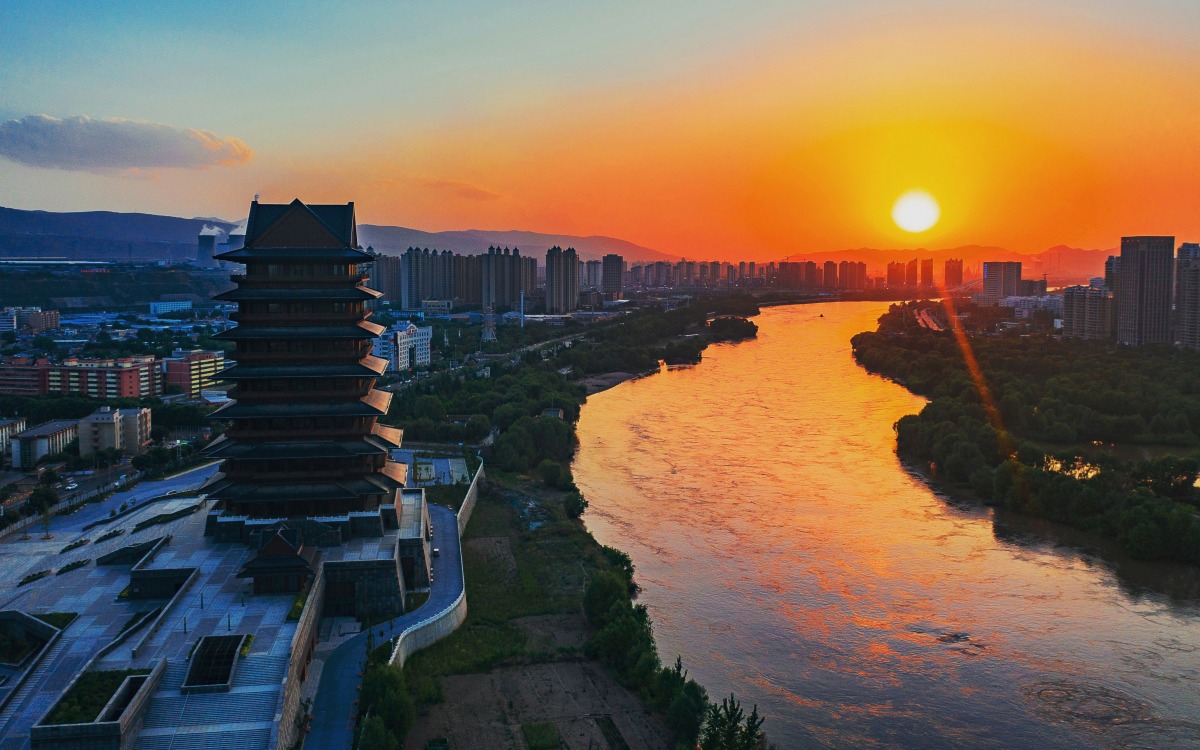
{"points": [[549, 470], [430, 407], [375, 736], [575, 504], [728, 728]]}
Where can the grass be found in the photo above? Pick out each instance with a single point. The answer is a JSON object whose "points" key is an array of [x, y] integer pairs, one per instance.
{"points": [[109, 535], [34, 577], [73, 566], [449, 495], [90, 693], [553, 562], [541, 735], [74, 545], [297, 607], [59, 620], [163, 518]]}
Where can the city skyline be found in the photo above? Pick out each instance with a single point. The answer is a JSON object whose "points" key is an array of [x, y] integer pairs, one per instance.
{"points": [[729, 133]]}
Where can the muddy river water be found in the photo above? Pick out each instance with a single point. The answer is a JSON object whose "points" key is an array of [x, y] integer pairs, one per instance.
{"points": [[789, 557]]}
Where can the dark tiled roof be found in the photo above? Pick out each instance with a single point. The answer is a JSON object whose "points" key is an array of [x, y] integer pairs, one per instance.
{"points": [[338, 219], [360, 330], [374, 404], [291, 293], [243, 254], [367, 446], [369, 367]]}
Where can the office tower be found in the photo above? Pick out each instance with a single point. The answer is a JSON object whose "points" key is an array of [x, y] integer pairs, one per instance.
{"points": [[1144, 288], [613, 268], [1001, 279], [562, 280], [1087, 313], [927, 273], [1187, 295], [895, 274], [953, 274], [910, 273], [304, 439]]}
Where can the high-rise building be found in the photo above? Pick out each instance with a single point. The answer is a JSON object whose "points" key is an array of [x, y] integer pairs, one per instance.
{"points": [[613, 268], [1087, 312], [387, 277], [1001, 279], [1187, 295], [593, 275], [1112, 273], [927, 273], [1144, 289], [304, 439], [829, 277], [895, 274], [562, 280], [504, 275], [953, 274], [910, 273]]}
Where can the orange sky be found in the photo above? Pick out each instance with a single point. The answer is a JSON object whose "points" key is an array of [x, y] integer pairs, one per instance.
{"points": [[1031, 128]]}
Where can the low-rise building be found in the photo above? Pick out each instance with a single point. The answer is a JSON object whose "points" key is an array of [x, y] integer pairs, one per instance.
{"points": [[412, 347], [192, 371], [34, 444], [9, 428], [126, 430]]}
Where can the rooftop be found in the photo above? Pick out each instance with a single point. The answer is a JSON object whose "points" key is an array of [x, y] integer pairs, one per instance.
{"points": [[49, 428]]}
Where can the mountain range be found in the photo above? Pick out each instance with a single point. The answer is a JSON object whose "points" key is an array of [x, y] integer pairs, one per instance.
{"points": [[106, 235]]}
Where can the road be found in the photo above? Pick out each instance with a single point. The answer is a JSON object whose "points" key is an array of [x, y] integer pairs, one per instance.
{"points": [[335, 709]]}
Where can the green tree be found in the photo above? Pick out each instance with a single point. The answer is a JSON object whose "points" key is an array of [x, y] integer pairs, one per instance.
{"points": [[727, 727], [375, 736]]}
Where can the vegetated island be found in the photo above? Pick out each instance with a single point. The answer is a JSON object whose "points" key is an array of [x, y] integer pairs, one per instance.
{"points": [[554, 643], [1055, 436]]}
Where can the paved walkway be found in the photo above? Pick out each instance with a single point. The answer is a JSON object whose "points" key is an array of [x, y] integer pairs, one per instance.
{"points": [[139, 495], [335, 709]]}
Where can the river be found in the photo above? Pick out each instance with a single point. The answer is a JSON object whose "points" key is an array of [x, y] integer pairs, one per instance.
{"points": [[789, 557]]}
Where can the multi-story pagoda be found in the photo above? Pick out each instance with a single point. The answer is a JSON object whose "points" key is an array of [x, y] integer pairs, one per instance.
{"points": [[304, 439]]}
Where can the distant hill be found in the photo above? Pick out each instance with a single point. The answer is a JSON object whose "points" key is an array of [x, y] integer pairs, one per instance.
{"points": [[106, 235], [395, 240]]}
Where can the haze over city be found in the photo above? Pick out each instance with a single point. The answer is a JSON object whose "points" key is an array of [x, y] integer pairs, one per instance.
{"points": [[722, 131]]}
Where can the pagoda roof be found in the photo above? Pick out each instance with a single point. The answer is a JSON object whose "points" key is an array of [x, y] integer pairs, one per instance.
{"points": [[370, 445], [359, 330], [346, 489], [368, 367], [290, 293], [303, 254], [297, 224], [374, 404]]}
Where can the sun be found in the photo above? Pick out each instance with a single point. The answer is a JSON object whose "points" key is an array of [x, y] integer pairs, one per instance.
{"points": [[916, 211]]}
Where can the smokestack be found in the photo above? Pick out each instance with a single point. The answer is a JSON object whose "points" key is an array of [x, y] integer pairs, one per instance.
{"points": [[206, 246]]}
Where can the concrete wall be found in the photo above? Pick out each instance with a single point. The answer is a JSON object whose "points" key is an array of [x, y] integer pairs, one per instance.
{"points": [[119, 734], [468, 504], [284, 732], [430, 630]]}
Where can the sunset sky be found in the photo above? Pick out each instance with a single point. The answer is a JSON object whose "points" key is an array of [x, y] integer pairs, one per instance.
{"points": [[718, 130]]}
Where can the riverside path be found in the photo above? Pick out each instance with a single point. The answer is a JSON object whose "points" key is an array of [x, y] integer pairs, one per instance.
{"points": [[335, 709]]}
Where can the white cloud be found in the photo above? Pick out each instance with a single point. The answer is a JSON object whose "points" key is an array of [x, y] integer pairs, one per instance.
{"points": [[82, 143]]}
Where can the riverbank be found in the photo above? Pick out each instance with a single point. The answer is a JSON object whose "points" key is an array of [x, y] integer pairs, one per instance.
{"points": [[518, 664], [600, 383]]}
